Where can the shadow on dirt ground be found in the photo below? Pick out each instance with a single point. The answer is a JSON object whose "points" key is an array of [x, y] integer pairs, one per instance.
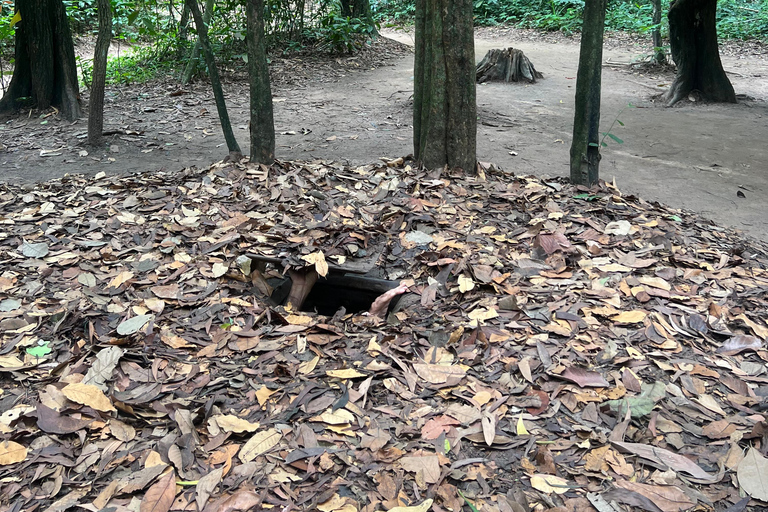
{"points": [[707, 158]]}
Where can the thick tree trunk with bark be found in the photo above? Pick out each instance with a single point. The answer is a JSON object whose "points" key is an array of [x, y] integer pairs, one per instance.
{"points": [[444, 110], [508, 65], [45, 60], [585, 148], [659, 55], [100, 54], [262, 123], [213, 74], [693, 40]]}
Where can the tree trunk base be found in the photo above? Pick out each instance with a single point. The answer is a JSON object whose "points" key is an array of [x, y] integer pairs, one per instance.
{"points": [[508, 65]]}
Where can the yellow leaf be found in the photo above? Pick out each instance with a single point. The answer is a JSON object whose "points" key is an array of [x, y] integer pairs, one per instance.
{"points": [[154, 459], [263, 394], [374, 348], [318, 260], [16, 18], [11, 453], [349, 373], [121, 278], [423, 507], [259, 444], [521, 430], [338, 417], [308, 367], [483, 314], [90, 395], [231, 423], [630, 317], [549, 484], [465, 283]]}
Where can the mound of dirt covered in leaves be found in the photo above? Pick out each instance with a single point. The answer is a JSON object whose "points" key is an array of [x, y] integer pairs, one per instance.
{"points": [[564, 349]]}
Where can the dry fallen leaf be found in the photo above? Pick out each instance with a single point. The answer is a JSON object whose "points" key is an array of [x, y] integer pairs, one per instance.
{"points": [[11, 453], [260, 443], [90, 395]]}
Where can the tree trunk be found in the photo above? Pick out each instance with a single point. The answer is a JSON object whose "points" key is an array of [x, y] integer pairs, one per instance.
{"points": [[659, 56], [508, 65], [444, 110], [45, 60], [100, 54], [693, 39], [213, 74], [262, 124], [191, 68], [585, 148]]}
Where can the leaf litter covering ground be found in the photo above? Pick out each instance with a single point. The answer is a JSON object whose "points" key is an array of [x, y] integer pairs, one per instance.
{"points": [[566, 349]]}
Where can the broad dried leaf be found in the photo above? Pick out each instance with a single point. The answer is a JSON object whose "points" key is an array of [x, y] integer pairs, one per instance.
{"points": [[206, 485], [90, 395], [11, 453], [428, 466], [753, 475], [666, 458], [161, 495], [584, 378], [738, 344], [260, 443], [549, 484], [668, 498], [231, 423]]}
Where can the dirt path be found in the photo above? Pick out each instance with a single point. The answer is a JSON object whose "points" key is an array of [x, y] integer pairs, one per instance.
{"points": [[712, 159]]}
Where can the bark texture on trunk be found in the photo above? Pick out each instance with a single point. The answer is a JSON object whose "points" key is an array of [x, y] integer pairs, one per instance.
{"points": [[262, 124], [659, 55], [213, 74], [585, 148], [693, 40], [444, 110], [45, 69], [96, 107]]}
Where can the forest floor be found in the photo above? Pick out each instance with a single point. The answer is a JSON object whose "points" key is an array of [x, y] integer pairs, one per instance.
{"points": [[702, 157]]}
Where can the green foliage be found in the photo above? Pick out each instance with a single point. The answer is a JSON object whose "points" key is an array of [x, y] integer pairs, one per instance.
{"points": [[739, 19], [342, 34]]}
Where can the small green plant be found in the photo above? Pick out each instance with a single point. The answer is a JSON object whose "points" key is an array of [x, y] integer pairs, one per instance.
{"points": [[609, 133]]}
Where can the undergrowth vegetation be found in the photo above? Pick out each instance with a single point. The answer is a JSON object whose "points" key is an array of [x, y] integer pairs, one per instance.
{"points": [[736, 19]]}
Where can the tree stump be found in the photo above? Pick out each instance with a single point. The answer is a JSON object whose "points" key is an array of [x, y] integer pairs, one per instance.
{"points": [[508, 65]]}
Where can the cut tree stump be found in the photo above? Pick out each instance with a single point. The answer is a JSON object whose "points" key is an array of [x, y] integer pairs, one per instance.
{"points": [[508, 65]]}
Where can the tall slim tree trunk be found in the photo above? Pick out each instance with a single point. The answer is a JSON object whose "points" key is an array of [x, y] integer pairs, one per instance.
{"points": [[444, 110], [659, 55], [262, 122], [100, 54], [585, 148], [213, 74], [693, 40], [191, 67], [45, 60]]}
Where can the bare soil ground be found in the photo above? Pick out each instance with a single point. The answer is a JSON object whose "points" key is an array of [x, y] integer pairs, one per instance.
{"points": [[706, 158]]}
